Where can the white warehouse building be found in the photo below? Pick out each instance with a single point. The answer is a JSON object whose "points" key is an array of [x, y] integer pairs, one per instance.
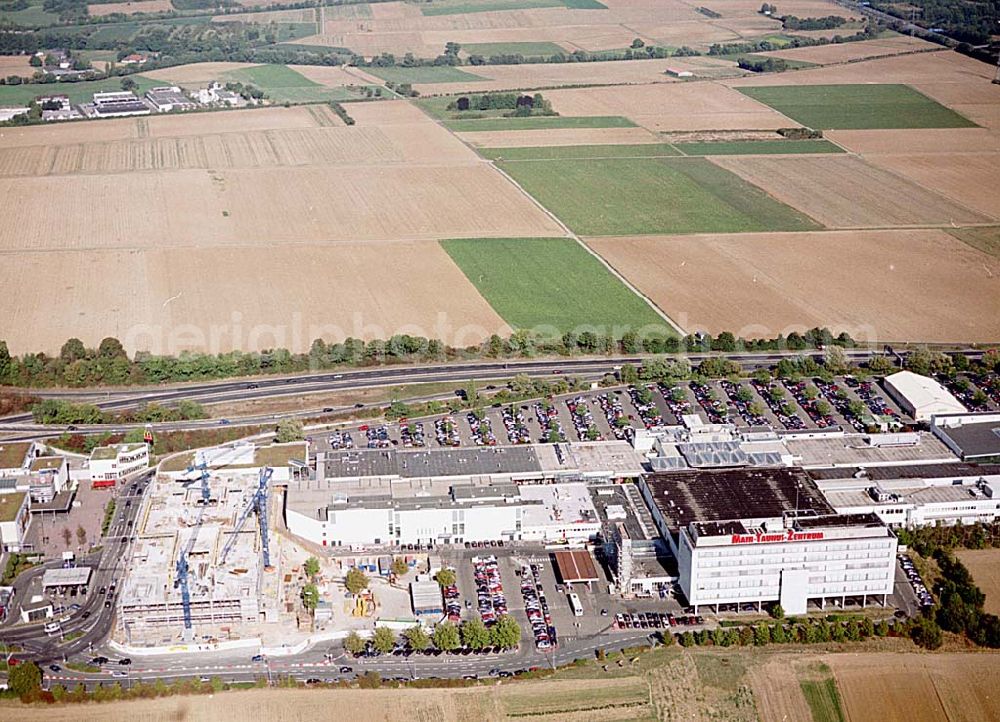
{"points": [[766, 535], [920, 396]]}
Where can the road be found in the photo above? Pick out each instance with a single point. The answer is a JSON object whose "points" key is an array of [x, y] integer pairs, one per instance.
{"points": [[263, 388], [93, 620]]}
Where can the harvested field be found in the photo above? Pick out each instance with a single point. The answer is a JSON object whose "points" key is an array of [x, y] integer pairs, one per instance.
{"points": [[130, 8], [930, 140], [164, 302], [221, 190], [777, 691], [537, 122], [984, 564], [195, 75], [917, 687], [672, 106], [930, 285], [972, 179], [917, 69], [15, 65], [546, 75], [626, 196], [842, 191], [851, 52], [557, 137], [983, 238]]}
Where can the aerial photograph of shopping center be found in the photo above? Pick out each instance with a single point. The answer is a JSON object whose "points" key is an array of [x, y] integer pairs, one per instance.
{"points": [[469, 360]]}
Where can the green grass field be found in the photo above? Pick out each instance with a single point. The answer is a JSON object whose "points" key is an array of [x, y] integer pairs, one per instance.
{"points": [[560, 152], [758, 147], [549, 282], [32, 16], [462, 7], [641, 196], [823, 699], [430, 74], [539, 122], [526, 49], [857, 106], [81, 92], [284, 85]]}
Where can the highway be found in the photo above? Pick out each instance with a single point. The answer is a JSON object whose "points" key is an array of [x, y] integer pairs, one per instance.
{"points": [[272, 387]]}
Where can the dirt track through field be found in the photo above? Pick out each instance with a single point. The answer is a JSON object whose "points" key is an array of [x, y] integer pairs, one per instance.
{"points": [[844, 192], [877, 285]]}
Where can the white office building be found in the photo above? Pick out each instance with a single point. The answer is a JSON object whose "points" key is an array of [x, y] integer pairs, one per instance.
{"points": [[760, 536], [114, 463]]}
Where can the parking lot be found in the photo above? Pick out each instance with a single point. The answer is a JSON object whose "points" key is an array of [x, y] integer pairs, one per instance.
{"points": [[616, 413]]}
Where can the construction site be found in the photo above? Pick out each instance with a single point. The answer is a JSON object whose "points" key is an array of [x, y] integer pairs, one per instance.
{"points": [[202, 567]]}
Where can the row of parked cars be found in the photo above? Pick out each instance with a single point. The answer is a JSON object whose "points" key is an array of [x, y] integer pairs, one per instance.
{"points": [[489, 589], [377, 436], [482, 430], [734, 391], [514, 424], [645, 405], [411, 435], [617, 419], [548, 420], [870, 396], [446, 432], [341, 440], [789, 421], [536, 606], [839, 399], [583, 419], [799, 390], [655, 620], [919, 588], [714, 408], [452, 603]]}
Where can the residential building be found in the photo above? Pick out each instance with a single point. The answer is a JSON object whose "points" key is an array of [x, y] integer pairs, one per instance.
{"points": [[14, 518]]}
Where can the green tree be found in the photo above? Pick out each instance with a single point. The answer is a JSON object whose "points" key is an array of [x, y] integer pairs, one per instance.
{"points": [[356, 581], [417, 639], [311, 567], [925, 633], [880, 364], [24, 679], [73, 350], [310, 597], [475, 634], [445, 637], [637, 43], [384, 640], [776, 611], [506, 633], [111, 348], [288, 430], [353, 643], [399, 566], [445, 577], [128, 83]]}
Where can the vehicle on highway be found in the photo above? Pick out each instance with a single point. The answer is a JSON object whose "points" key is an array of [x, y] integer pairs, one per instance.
{"points": [[85, 614], [52, 628], [119, 673], [124, 661], [98, 661], [253, 386], [205, 679], [346, 670], [257, 658], [55, 668], [224, 422]]}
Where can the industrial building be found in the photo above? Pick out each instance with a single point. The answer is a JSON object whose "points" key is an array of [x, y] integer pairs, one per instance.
{"points": [[973, 437], [916, 495], [115, 104], [765, 535], [14, 518], [920, 396], [165, 99]]}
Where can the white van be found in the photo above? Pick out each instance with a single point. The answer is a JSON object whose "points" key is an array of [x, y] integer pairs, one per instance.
{"points": [[52, 628]]}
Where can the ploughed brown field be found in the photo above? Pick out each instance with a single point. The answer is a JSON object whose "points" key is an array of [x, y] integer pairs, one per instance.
{"points": [[984, 564], [894, 285], [130, 8], [261, 223]]}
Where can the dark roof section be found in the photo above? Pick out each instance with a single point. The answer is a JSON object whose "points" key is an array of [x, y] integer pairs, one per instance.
{"points": [[576, 566], [975, 440], [866, 519], [733, 494], [908, 471]]}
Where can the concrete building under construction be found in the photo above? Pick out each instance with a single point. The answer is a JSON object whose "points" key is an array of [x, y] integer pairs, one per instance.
{"points": [[189, 543]]}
